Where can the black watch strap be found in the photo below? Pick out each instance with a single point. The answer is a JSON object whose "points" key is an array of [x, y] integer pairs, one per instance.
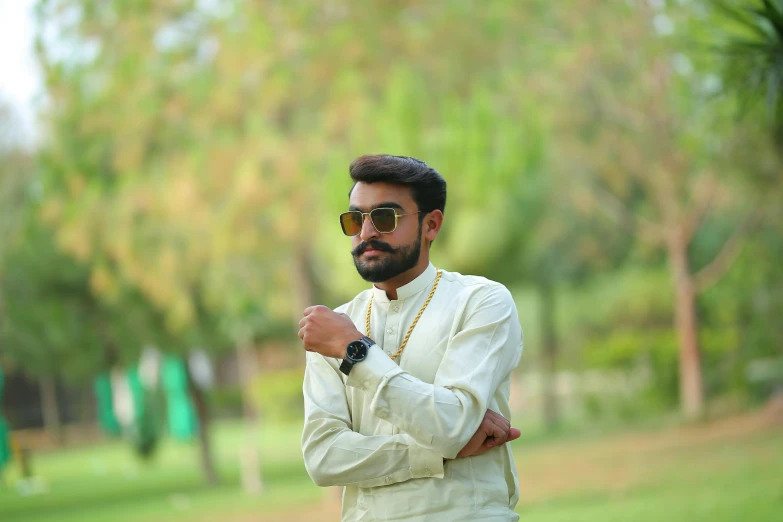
{"points": [[347, 365]]}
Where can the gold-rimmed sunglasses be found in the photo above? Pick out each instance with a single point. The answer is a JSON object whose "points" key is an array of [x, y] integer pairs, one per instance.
{"points": [[383, 219]]}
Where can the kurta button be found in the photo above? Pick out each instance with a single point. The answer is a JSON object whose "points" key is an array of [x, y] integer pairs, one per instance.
{"points": [[396, 308], [390, 330]]}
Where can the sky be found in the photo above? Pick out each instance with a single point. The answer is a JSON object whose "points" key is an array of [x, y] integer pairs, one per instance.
{"points": [[20, 80]]}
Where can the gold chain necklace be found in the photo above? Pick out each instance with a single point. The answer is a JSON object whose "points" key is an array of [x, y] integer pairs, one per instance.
{"points": [[413, 325]]}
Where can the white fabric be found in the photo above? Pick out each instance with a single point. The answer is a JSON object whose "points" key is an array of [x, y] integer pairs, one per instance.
{"points": [[384, 431]]}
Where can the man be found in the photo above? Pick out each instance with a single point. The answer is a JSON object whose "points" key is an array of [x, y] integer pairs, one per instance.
{"points": [[407, 386]]}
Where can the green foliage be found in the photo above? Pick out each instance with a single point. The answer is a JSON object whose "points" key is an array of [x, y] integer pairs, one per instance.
{"points": [[196, 159], [278, 395], [750, 300], [656, 350], [624, 323], [50, 320], [752, 52], [226, 401]]}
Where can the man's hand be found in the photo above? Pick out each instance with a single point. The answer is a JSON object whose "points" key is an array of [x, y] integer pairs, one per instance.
{"points": [[327, 332], [495, 430]]}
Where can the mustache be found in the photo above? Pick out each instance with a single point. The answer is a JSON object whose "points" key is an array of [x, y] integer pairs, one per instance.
{"points": [[376, 245]]}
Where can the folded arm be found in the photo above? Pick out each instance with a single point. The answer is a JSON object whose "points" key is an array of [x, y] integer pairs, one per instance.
{"points": [[335, 455], [444, 416]]}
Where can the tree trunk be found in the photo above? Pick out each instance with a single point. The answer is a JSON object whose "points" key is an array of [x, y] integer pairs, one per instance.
{"points": [[304, 295], [686, 324], [205, 443], [249, 458], [50, 409], [549, 351], [304, 286]]}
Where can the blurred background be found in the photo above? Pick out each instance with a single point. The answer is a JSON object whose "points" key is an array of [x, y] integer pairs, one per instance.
{"points": [[171, 174]]}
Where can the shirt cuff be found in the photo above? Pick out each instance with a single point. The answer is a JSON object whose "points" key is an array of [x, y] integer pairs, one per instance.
{"points": [[424, 462], [374, 370]]}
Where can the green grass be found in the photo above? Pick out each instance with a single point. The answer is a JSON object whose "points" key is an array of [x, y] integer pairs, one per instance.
{"points": [[107, 482], [719, 482], [726, 471]]}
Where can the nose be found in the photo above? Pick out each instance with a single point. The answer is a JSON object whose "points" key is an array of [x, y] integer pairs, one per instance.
{"points": [[368, 229]]}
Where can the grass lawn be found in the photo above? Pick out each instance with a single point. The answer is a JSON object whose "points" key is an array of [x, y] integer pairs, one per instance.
{"points": [[107, 482], [730, 470]]}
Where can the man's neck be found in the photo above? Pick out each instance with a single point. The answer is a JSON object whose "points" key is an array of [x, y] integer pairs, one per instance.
{"points": [[390, 286]]}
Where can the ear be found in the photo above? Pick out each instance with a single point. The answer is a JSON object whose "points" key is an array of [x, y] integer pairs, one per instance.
{"points": [[431, 225]]}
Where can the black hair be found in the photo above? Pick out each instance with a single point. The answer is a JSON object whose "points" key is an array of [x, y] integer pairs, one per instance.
{"points": [[427, 186]]}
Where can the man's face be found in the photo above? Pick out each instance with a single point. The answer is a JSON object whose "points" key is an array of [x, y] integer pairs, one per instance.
{"points": [[379, 257]]}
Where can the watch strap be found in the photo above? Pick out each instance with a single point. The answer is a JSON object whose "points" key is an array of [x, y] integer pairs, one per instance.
{"points": [[347, 364]]}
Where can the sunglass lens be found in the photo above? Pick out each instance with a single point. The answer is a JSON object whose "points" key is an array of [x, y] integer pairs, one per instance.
{"points": [[384, 219], [351, 223]]}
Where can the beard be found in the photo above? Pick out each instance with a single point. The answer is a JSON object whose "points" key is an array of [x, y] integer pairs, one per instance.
{"points": [[383, 268]]}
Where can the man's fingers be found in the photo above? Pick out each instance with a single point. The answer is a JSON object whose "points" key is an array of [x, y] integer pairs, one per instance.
{"points": [[496, 433], [498, 418], [473, 444], [484, 439], [487, 446], [513, 434], [497, 428], [491, 443], [311, 309], [497, 421], [494, 430]]}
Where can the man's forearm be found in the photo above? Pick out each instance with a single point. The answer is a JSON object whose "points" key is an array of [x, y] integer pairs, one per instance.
{"points": [[334, 454], [439, 418], [478, 361], [341, 457]]}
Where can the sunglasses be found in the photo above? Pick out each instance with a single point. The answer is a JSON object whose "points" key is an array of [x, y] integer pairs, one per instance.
{"points": [[383, 219]]}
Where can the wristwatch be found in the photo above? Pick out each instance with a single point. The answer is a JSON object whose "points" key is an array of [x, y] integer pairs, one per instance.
{"points": [[355, 352]]}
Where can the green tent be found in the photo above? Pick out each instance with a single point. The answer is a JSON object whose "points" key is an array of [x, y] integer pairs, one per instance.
{"points": [[182, 419], [5, 448], [145, 432], [103, 394]]}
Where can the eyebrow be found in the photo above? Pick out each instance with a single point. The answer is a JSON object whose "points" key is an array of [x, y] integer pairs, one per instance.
{"points": [[385, 204]]}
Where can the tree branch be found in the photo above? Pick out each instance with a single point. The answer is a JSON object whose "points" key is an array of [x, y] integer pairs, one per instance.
{"points": [[728, 254], [701, 206], [616, 209]]}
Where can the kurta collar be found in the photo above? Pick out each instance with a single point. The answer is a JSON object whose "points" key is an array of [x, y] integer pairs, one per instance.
{"points": [[424, 280]]}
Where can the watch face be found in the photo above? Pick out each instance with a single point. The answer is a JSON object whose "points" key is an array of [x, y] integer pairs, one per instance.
{"points": [[356, 350]]}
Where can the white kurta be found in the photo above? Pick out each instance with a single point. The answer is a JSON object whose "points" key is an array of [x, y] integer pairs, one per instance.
{"points": [[384, 431]]}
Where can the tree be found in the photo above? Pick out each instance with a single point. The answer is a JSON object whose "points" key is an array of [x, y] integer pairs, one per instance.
{"points": [[646, 156], [751, 48]]}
